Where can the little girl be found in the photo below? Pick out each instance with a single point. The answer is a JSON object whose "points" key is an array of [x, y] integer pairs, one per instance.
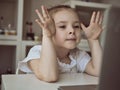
{"points": [[58, 53]]}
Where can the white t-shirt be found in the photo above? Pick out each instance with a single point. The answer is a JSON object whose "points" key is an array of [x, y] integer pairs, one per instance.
{"points": [[79, 60]]}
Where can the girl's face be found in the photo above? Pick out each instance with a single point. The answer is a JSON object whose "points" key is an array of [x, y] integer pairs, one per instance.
{"points": [[67, 29]]}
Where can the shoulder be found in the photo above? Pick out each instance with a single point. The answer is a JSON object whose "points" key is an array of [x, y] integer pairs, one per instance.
{"points": [[36, 48]]}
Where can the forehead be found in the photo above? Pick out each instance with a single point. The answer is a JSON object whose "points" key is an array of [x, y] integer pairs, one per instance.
{"points": [[65, 15]]}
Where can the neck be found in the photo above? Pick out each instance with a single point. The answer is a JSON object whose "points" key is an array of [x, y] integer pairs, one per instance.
{"points": [[62, 52]]}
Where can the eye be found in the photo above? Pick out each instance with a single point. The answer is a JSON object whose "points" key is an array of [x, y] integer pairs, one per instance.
{"points": [[63, 26], [76, 26]]}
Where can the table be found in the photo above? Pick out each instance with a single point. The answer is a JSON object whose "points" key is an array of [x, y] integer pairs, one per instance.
{"points": [[30, 82]]}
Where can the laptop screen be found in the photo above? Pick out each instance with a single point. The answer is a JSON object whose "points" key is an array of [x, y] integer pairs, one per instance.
{"points": [[78, 87], [110, 70]]}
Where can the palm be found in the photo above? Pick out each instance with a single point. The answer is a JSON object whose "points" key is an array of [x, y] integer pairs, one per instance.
{"points": [[46, 22], [94, 29]]}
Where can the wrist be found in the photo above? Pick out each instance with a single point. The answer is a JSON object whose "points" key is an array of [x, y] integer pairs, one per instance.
{"points": [[47, 33], [45, 37], [92, 40]]}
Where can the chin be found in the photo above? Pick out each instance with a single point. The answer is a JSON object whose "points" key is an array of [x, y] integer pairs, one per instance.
{"points": [[71, 46]]}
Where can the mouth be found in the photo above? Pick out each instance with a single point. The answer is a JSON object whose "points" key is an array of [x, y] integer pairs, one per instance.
{"points": [[71, 39]]}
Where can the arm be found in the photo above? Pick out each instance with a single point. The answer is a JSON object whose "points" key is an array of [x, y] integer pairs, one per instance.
{"points": [[46, 68], [93, 67], [93, 32]]}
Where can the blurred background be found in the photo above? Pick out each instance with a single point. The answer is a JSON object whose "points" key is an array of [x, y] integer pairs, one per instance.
{"points": [[19, 32]]}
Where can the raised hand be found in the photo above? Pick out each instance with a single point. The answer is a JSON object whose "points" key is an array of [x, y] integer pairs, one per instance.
{"points": [[45, 22], [94, 29]]}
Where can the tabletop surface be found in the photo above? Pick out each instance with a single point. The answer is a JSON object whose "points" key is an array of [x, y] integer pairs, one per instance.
{"points": [[30, 82]]}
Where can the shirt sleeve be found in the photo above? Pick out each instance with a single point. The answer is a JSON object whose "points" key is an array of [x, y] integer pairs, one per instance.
{"points": [[82, 61], [34, 53]]}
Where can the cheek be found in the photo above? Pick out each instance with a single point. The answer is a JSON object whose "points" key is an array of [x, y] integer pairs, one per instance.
{"points": [[78, 34], [59, 37]]}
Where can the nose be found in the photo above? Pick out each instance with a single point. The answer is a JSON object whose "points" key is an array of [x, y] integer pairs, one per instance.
{"points": [[71, 30]]}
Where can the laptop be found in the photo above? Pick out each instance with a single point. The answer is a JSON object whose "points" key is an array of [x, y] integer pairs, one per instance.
{"points": [[110, 70], [78, 87]]}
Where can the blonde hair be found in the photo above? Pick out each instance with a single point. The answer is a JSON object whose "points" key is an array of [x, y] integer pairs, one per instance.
{"points": [[58, 8]]}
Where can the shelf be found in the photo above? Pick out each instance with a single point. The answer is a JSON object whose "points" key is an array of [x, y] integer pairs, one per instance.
{"points": [[85, 13], [29, 16], [8, 37], [9, 43], [8, 17], [7, 59]]}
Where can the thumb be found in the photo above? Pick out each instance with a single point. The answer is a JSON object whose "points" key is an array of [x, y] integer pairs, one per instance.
{"points": [[83, 26]]}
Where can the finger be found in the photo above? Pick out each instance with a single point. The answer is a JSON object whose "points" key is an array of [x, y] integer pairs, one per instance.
{"points": [[39, 15], [83, 26], [93, 17], [47, 13], [101, 20], [39, 23], [44, 12], [97, 17]]}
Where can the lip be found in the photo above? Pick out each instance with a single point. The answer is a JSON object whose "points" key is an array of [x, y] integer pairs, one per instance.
{"points": [[71, 39]]}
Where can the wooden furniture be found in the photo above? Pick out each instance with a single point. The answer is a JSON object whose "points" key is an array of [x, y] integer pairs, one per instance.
{"points": [[30, 82], [18, 12]]}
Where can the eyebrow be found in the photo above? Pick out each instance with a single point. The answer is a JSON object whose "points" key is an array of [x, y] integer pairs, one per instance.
{"points": [[61, 22], [65, 22]]}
